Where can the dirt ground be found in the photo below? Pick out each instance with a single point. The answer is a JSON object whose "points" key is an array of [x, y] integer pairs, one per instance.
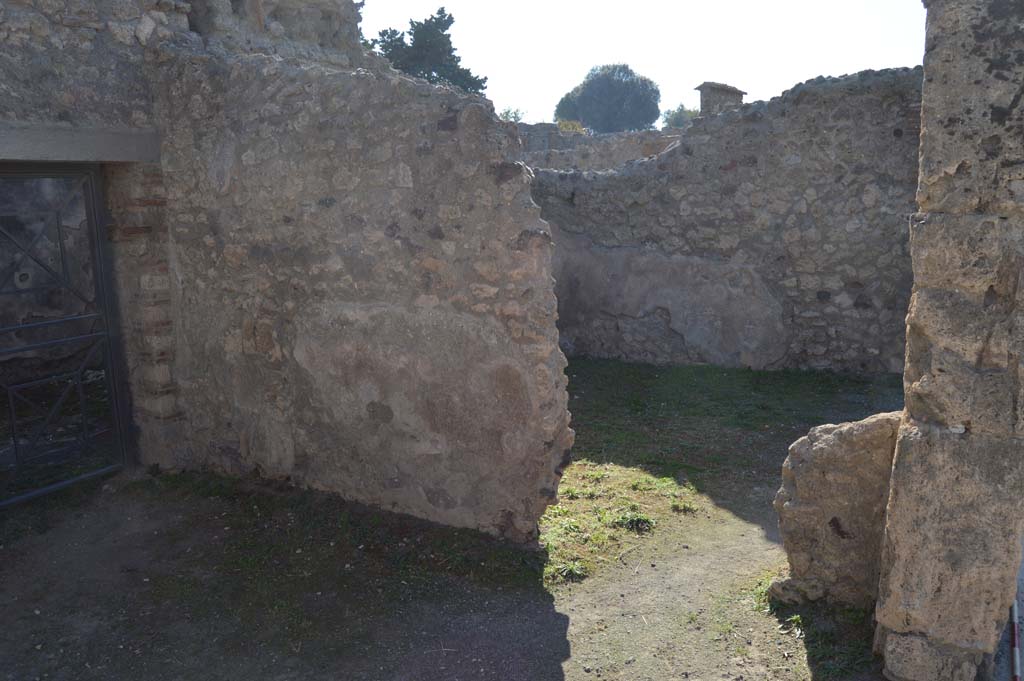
{"points": [[191, 576]]}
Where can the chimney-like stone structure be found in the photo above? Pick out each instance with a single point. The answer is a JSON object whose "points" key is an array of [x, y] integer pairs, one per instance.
{"points": [[718, 97]]}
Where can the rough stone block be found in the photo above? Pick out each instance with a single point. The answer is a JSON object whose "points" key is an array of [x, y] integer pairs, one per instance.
{"points": [[914, 658], [963, 341], [971, 254], [971, 160], [835, 486], [953, 394], [953, 528]]}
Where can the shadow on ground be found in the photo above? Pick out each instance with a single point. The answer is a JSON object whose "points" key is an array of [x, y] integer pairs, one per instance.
{"points": [[837, 641], [726, 431], [184, 577], [696, 453], [193, 576]]}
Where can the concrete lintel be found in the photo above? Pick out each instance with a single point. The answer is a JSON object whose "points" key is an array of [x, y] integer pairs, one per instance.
{"points": [[78, 145]]}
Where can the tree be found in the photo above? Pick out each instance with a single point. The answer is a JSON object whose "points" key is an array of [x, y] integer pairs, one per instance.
{"points": [[511, 115], [678, 117], [568, 108], [612, 98], [429, 53]]}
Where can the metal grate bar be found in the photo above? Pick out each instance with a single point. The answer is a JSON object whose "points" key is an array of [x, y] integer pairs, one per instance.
{"points": [[51, 322]]}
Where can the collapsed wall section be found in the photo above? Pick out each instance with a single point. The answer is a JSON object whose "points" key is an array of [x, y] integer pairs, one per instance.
{"points": [[545, 145], [954, 519], [771, 236], [362, 289]]}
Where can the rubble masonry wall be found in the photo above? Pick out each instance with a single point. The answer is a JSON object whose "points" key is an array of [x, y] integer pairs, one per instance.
{"points": [[771, 236], [333, 275]]}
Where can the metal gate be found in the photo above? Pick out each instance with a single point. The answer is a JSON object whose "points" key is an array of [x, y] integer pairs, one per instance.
{"points": [[59, 417]]}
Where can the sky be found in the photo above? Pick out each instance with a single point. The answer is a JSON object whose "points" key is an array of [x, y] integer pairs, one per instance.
{"points": [[534, 51]]}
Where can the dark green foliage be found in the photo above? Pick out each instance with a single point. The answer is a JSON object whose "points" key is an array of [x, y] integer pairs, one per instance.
{"points": [[429, 53], [568, 107], [678, 117], [633, 519], [511, 115], [612, 98]]}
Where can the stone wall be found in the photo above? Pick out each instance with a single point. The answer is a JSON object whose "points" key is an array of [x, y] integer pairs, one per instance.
{"points": [[956, 510], [545, 146], [364, 304], [323, 31], [333, 275], [771, 236], [69, 63]]}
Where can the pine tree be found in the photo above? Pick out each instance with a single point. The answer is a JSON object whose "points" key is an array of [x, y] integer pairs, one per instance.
{"points": [[428, 53]]}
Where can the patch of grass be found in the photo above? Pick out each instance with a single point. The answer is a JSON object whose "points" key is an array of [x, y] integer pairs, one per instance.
{"points": [[794, 625], [684, 507], [641, 485], [602, 510], [688, 486], [759, 591], [634, 520], [558, 511], [570, 526], [654, 445], [724, 627], [567, 571]]}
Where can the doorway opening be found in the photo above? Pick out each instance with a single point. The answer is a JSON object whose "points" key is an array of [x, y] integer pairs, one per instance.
{"points": [[59, 417]]}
